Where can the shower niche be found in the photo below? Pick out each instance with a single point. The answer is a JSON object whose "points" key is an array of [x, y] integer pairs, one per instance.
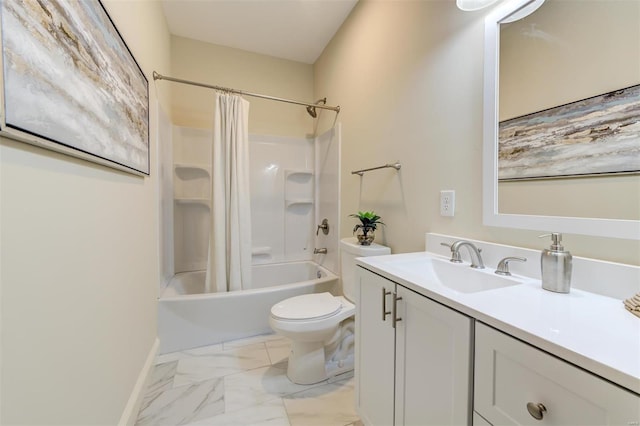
{"points": [[298, 214], [192, 181], [191, 196]]}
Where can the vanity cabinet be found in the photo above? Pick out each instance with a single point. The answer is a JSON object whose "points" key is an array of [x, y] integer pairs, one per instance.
{"points": [[413, 357], [513, 378]]}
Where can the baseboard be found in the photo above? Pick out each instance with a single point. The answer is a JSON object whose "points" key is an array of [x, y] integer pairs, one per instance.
{"points": [[130, 413]]}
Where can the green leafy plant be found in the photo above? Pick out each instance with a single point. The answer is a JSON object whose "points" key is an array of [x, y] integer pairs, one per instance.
{"points": [[368, 221]]}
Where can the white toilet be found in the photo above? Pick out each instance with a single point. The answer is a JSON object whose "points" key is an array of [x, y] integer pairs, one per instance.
{"points": [[320, 325]]}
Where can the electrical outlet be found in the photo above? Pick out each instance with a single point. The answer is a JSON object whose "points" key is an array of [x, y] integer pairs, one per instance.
{"points": [[447, 202]]}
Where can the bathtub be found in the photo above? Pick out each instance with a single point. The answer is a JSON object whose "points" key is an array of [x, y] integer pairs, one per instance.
{"points": [[188, 317]]}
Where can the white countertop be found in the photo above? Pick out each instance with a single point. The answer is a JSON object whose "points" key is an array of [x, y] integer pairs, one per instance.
{"points": [[592, 331]]}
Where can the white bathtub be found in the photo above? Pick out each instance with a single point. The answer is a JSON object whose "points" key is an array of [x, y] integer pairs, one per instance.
{"points": [[188, 318]]}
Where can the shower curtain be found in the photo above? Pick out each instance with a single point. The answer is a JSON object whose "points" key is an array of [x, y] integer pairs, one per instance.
{"points": [[229, 261]]}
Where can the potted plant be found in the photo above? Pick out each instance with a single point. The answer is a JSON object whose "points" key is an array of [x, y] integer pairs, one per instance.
{"points": [[364, 230]]}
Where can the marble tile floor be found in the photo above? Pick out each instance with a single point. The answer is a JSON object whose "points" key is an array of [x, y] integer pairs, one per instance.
{"points": [[242, 382]]}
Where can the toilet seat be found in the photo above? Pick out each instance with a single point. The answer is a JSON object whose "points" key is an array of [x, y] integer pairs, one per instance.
{"points": [[315, 306], [318, 329]]}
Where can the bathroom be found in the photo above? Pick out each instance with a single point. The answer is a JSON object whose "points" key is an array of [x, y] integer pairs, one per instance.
{"points": [[81, 243]]}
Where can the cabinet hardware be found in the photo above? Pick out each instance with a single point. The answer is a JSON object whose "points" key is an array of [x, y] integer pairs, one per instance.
{"points": [[536, 410], [394, 309], [385, 293]]}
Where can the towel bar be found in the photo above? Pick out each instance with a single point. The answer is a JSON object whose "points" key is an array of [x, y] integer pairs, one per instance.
{"points": [[396, 166]]}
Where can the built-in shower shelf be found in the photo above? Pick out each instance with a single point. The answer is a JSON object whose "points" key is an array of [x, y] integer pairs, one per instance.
{"points": [[298, 187], [301, 174], [191, 180], [299, 201], [199, 201], [261, 251], [192, 167]]}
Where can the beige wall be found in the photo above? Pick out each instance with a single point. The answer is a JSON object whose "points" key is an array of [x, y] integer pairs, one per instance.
{"points": [[79, 267], [409, 76], [233, 68], [568, 50]]}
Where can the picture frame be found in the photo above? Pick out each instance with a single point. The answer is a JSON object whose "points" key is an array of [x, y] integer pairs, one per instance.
{"points": [[69, 83], [596, 136]]}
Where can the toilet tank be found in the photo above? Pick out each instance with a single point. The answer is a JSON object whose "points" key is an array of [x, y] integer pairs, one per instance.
{"points": [[349, 250]]}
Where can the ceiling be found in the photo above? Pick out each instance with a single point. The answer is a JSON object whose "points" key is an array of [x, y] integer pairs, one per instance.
{"points": [[297, 30]]}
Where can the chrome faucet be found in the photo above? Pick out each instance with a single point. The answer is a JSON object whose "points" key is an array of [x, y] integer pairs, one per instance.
{"points": [[319, 251], [474, 252]]}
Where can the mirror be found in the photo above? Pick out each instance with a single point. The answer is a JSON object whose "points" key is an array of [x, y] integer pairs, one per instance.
{"points": [[521, 80]]}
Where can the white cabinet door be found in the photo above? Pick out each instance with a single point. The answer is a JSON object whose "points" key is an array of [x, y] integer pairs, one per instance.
{"points": [[433, 363], [510, 374], [479, 421], [375, 342]]}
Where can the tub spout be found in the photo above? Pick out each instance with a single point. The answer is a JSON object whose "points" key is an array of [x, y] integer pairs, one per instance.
{"points": [[320, 251]]}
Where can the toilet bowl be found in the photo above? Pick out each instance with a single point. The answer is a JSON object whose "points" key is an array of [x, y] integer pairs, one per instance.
{"points": [[320, 325], [311, 321]]}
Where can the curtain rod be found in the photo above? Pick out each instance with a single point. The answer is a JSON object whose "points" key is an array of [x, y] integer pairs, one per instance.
{"points": [[157, 76]]}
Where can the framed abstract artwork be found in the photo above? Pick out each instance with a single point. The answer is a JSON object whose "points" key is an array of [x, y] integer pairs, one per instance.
{"points": [[70, 83], [595, 136]]}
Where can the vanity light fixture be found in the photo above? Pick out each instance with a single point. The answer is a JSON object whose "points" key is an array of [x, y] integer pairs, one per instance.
{"points": [[524, 12], [471, 5]]}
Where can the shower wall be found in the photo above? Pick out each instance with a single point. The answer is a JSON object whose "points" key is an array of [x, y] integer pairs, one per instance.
{"points": [[191, 198], [283, 198], [327, 158], [165, 198]]}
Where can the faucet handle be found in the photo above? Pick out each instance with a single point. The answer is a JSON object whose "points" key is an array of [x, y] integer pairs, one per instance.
{"points": [[455, 255], [503, 265], [324, 226]]}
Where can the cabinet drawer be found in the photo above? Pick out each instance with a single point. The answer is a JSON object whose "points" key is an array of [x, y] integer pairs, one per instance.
{"points": [[510, 374]]}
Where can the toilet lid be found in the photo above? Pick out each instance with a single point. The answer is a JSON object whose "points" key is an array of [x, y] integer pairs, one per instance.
{"points": [[307, 306]]}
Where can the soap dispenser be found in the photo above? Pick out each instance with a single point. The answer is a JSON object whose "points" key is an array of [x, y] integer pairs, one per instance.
{"points": [[555, 264]]}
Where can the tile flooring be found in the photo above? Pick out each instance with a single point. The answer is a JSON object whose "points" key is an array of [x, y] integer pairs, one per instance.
{"points": [[242, 382]]}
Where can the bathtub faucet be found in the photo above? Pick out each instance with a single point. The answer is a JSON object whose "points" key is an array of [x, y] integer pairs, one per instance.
{"points": [[320, 251]]}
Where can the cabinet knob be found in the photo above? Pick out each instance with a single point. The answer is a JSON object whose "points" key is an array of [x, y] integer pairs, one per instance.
{"points": [[536, 410]]}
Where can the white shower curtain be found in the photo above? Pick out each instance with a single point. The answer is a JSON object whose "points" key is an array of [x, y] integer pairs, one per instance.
{"points": [[229, 262]]}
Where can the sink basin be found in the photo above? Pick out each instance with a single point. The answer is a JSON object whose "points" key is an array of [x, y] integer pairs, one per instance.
{"points": [[463, 278], [457, 276]]}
